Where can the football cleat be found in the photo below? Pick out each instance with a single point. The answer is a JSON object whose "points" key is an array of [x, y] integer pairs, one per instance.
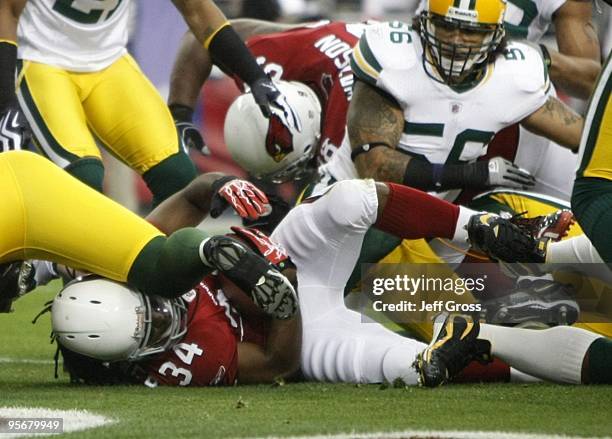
{"points": [[16, 279], [501, 239], [453, 346], [268, 288], [534, 303], [554, 226]]}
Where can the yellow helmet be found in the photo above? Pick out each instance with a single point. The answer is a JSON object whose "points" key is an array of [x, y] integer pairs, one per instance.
{"points": [[460, 36]]}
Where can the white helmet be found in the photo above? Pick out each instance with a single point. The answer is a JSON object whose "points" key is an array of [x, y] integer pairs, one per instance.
{"points": [[266, 148], [108, 321]]}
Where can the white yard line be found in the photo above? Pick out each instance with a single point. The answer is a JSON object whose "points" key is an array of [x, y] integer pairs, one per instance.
{"points": [[433, 434], [9, 360]]}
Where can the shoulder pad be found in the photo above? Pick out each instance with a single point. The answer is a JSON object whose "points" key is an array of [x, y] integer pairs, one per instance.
{"points": [[378, 50], [525, 65]]}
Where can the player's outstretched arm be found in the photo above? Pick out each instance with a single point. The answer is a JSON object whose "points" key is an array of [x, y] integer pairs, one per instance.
{"points": [[576, 65], [212, 29], [210, 193], [193, 64], [557, 122]]}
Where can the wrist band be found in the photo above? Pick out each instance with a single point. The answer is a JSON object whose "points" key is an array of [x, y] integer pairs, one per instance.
{"points": [[546, 56], [181, 113], [229, 50], [361, 149]]}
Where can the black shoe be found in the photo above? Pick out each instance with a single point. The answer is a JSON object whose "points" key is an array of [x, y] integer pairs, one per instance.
{"points": [[502, 240], [553, 226], [269, 289], [453, 346], [534, 303], [16, 279]]}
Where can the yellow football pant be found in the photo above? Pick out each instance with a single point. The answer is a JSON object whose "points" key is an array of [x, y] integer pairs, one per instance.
{"points": [[117, 105], [47, 214]]}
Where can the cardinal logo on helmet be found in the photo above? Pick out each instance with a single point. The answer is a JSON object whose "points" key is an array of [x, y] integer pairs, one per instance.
{"points": [[279, 140]]}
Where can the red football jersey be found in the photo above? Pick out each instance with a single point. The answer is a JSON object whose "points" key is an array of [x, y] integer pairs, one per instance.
{"points": [[317, 55], [207, 354]]}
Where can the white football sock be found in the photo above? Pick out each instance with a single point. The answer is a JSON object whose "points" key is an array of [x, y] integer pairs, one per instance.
{"points": [[341, 347], [554, 354], [516, 376], [578, 249], [461, 234]]}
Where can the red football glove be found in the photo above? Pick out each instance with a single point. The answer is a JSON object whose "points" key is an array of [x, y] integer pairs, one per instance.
{"points": [[244, 197]]}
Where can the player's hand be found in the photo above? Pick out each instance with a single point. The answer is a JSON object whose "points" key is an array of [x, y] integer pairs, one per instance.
{"points": [[15, 131], [189, 134], [190, 137], [244, 197], [270, 99], [505, 173]]}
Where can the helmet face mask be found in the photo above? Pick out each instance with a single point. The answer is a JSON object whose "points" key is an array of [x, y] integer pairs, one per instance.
{"points": [[165, 323], [458, 43], [108, 321]]}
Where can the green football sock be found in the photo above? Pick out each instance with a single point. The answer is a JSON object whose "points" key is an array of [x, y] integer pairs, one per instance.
{"points": [[89, 170], [600, 361], [170, 266], [169, 176], [592, 205]]}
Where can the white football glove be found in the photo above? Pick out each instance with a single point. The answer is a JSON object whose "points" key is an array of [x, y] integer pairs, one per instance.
{"points": [[505, 173]]}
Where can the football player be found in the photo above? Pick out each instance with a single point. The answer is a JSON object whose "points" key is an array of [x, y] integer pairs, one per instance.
{"points": [[322, 238], [260, 148], [315, 59], [592, 195], [460, 69], [72, 224], [76, 83], [573, 69], [575, 65]]}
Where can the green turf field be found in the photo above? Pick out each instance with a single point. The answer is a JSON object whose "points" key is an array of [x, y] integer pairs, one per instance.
{"points": [[26, 380]]}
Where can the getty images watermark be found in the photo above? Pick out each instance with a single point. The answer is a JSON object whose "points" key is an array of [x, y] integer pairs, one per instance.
{"points": [[409, 286], [29, 426], [507, 294]]}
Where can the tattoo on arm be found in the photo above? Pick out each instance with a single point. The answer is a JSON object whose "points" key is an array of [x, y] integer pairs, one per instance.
{"points": [[373, 117], [558, 110], [557, 122]]}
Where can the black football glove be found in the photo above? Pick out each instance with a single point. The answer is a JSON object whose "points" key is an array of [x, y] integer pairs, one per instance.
{"points": [[189, 134], [15, 133], [268, 97]]}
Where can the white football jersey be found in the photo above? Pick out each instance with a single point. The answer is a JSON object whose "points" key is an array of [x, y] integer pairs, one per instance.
{"points": [[441, 124], [528, 19], [75, 35]]}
